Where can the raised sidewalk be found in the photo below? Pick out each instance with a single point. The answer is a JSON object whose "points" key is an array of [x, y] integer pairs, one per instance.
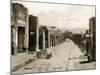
{"points": [[21, 60]]}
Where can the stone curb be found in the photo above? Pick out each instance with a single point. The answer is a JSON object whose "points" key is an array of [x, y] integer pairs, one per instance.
{"points": [[23, 64]]}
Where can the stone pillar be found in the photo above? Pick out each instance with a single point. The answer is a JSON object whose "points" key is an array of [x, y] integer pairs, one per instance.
{"points": [[51, 42], [37, 39], [54, 41], [49, 39], [43, 40], [16, 41], [27, 32]]}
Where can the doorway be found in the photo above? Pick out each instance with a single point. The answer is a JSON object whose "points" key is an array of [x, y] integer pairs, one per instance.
{"points": [[21, 39]]}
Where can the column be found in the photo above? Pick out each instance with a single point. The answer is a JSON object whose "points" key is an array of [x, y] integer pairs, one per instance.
{"points": [[27, 32], [48, 39], [51, 42], [16, 40], [43, 40], [37, 39], [55, 41]]}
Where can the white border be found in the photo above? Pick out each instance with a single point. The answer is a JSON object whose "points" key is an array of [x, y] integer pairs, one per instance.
{"points": [[5, 37]]}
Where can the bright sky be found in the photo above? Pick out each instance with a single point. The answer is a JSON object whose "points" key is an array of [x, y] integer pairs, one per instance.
{"points": [[61, 15]]}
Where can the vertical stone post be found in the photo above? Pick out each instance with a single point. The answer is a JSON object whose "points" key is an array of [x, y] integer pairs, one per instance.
{"points": [[37, 39], [51, 42], [48, 38], [16, 41], [43, 40], [27, 31]]}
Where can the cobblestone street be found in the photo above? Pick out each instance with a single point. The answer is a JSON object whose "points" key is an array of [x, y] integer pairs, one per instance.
{"points": [[65, 56]]}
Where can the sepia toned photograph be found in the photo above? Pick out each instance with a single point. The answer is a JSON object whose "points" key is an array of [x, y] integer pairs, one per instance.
{"points": [[52, 37]]}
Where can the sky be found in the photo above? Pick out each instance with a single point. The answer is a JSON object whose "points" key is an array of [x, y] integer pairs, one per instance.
{"points": [[60, 15]]}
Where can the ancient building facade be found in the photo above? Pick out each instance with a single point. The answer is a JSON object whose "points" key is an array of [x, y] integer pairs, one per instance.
{"points": [[43, 37], [33, 23], [49, 37], [56, 36], [27, 36], [19, 28], [92, 32]]}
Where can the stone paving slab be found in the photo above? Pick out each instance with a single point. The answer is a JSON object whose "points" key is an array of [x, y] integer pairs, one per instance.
{"points": [[75, 59], [64, 59], [21, 60]]}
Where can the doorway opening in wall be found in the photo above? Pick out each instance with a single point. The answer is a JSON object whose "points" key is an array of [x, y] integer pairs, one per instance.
{"points": [[21, 39]]}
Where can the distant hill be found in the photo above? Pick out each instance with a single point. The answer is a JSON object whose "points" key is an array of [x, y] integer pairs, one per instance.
{"points": [[78, 30], [75, 30]]}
